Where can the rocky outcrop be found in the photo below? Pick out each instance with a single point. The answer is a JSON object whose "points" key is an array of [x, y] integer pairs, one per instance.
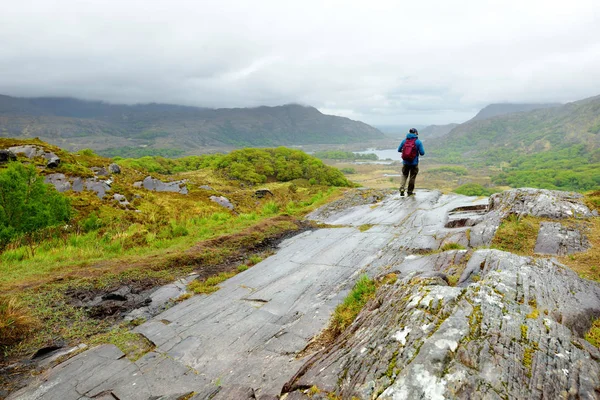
{"points": [[153, 184], [458, 324], [511, 327], [514, 332], [31, 151], [62, 183]]}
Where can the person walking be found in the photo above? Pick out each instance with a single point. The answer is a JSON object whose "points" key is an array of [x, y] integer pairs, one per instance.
{"points": [[411, 148]]}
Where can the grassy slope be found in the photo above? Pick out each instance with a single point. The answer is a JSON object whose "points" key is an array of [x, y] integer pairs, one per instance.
{"points": [[550, 148]]}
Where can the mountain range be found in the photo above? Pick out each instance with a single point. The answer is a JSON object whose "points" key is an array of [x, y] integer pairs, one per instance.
{"points": [[75, 124], [508, 135]]}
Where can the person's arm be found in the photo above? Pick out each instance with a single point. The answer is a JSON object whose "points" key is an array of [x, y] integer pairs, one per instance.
{"points": [[421, 148], [401, 146]]}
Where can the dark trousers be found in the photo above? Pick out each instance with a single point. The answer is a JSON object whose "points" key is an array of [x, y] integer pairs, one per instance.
{"points": [[407, 170]]}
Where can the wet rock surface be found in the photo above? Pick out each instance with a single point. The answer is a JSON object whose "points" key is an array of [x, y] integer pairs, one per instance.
{"points": [[508, 327]]}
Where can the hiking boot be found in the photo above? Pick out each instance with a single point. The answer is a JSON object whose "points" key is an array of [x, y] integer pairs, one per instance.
{"points": [[410, 194], [401, 192]]}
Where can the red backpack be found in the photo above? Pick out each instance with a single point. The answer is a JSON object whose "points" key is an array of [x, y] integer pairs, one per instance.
{"points": [[409, 151]]}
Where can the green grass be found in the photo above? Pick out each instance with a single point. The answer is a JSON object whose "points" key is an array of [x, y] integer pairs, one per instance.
{"points": [[593, 335], [517, 234], [345, 313], [210, 285], [452, 246]]}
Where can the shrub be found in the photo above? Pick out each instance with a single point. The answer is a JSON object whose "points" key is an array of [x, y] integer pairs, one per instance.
{"points": [[91, 223], [348, 170], [270, 208], [27, 204], [474, 189], [15, 321]]}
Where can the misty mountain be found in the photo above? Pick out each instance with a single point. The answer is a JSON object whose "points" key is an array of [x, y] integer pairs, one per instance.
{"points": [[494, 110], [504, 137], [74, 124], [436, 131]]}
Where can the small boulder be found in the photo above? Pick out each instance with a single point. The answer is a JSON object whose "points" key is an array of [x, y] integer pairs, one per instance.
{"points": [[7, 155], [206, 187], [100, 171], [121, 199], [53, 162], [114, 168], [222, 201], [260, 193]]}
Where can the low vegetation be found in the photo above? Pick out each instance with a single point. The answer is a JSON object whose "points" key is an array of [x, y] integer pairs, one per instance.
{"points": [[345, 155], [474, 189], [517, 234], [344, 314]]}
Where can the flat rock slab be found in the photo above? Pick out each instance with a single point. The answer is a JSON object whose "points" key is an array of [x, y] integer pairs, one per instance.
{"points": [[556, 239]]}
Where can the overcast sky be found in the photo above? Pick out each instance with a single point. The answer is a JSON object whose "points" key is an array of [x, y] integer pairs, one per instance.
{"points": [[382, 62]]}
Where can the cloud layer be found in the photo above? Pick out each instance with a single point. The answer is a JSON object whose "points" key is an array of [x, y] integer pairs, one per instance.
{"points": [[382, 62]]}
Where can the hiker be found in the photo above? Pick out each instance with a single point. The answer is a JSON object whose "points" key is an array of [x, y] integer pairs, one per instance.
{"points": [[410, 148]]}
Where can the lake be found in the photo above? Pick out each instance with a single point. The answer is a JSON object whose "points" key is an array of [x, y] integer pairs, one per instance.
{"points": [[385, 154]]}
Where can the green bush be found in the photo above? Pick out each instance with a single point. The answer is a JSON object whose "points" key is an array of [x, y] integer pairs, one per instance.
{"points": [[280, 164], [474, 189], [27, 204], [91, 223], [348, 170]]}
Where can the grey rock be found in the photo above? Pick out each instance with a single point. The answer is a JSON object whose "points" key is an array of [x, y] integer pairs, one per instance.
{"points": [[520, 202], [222, 201], [114, 168], [556, 239], [137, 184], [121, 199], [100, 171], [161, 299], [157, 185], [28, 151], [95, 185], [53, 162], [540, 203], [206, 187], [7, 155], [59, 181], [423, 339]]}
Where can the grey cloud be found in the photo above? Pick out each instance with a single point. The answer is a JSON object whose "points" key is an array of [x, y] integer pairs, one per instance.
{"points": [[383, 62]]}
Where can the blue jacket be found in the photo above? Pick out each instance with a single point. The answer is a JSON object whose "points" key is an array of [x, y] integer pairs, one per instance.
{"points": [[419, 148]]}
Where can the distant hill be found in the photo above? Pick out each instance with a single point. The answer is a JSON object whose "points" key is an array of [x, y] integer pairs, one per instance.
{"points": [[75, 124], [494, 110], [535, 148], [436, 131]]}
